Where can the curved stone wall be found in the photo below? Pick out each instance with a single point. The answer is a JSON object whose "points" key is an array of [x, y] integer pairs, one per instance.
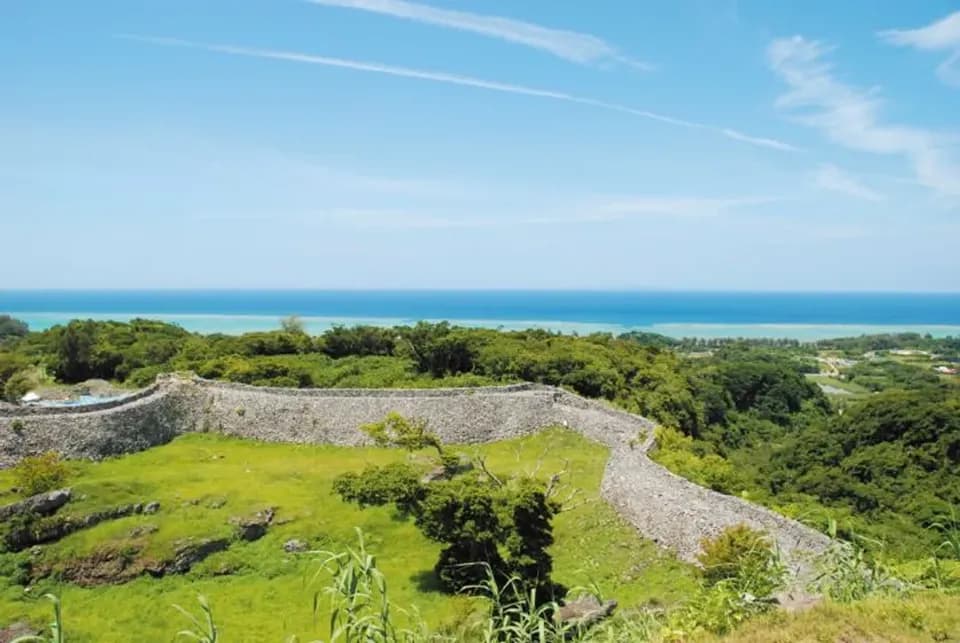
{"points": [[662, 506], [27, 411]]}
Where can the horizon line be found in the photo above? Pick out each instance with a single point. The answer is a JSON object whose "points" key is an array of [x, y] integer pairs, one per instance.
{"points": [[468, 289]]}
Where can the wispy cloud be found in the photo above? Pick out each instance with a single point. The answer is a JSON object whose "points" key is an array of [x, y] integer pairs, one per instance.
{"points": [[832, 178], [684, 206], [458, 79], [576, 47], [607, 210], [611, 210], [942, 35], [851, 117]]}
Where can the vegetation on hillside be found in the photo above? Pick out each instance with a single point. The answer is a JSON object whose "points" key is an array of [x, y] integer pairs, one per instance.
{"points": [[874, 460], [262, 592], [743, 417]]}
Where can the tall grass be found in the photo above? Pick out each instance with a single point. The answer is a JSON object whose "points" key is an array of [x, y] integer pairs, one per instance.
{"points": [[203, 631], [357, 592], [56, 626], [848, 572]]}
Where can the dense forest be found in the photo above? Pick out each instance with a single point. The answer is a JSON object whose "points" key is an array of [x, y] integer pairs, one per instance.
{"points": [[742, 417]]}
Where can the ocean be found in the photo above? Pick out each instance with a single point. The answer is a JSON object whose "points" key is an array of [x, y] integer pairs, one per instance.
{"points": [[676, 314]]}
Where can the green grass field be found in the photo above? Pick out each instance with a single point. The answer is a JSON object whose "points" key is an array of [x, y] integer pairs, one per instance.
{"points": [[927, 616], [851, 388], [261, 593]]}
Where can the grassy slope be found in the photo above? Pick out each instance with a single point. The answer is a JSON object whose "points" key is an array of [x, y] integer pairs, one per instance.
{"points": [[267, 597], [924, 617], [850, 387]]}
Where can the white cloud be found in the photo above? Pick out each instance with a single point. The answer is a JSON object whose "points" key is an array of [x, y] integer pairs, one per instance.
{"points": [[851, 117], [458, 79], [758, 140], [831, 177], [679, 206], [942, 35], [570, 45], [606, 210]]}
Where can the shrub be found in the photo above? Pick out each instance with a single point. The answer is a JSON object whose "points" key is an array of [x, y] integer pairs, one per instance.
{"points": [[18, 385], [398, 431], [39, 474], [485, 524], [736, 550]]}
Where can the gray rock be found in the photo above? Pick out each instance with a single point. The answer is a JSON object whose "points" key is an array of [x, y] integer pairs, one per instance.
{"points": [[44, 504], [585, 611], [151, 507], [295, 545], [143, 530], [436, 474], [254, 527], [50, 530], [189, 553]]}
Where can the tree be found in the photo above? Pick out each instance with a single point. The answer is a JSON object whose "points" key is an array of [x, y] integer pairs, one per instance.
{"points": [[75, 351], [292, 324], [487, 525], [477, 518], [341, 341], [10, 327], [395, 430]]}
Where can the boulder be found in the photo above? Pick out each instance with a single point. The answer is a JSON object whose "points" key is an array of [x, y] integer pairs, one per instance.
{"points": [[151, 507], [143, 530], [585, 611], [295, 545], [43, 504], [435, 474], [254, 527], [189, 553]]}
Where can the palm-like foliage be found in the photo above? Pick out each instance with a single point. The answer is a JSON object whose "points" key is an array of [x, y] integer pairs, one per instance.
{"points": [[56, 626], [203, 631]]}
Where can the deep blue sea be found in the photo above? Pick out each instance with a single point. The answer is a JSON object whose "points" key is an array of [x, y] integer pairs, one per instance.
{"points": [[678, 314]]}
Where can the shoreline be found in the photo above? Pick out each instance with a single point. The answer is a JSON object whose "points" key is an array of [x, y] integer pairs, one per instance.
{"points": [[235, 324]]}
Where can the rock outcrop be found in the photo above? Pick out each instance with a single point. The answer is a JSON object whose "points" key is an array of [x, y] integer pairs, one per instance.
{"points": [[42, 504]]}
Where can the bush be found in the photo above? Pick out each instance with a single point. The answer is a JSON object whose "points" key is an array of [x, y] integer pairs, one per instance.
{"points": [[18, 385], [10, 327], [486, 525], [736, 550], [39, 474]]}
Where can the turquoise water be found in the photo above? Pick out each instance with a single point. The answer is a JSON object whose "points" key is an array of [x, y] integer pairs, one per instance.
{"points": [[80, 400], [677, 314]]}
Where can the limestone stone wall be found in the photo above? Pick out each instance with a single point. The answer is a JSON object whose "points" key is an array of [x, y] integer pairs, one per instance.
{"points": [[662, 506], [29, 411]]}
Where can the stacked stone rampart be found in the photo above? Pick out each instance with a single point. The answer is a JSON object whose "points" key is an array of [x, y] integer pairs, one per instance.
{"points": [[661, 505]]}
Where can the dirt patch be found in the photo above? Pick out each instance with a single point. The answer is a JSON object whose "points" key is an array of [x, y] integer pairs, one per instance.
{"points": [[15, 631], [105, 566], [112, 565]]}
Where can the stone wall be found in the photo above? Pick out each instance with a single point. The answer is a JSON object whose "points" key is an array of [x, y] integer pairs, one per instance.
{"points": [[662, 506], [28, 411]]}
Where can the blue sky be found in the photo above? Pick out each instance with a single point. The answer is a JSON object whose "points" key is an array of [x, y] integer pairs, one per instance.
{"points": [[691, 144]]}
